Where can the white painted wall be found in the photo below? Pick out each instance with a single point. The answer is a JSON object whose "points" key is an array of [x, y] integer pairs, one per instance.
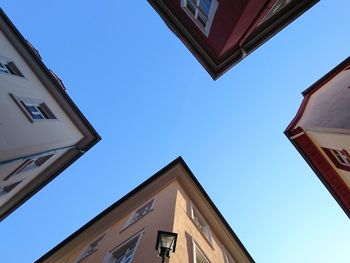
{"points": [[329, 107], [18, 136]]}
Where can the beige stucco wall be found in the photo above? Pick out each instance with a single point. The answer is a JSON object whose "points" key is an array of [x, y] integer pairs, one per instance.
{"points": [[336, 141], [18, 135], [189, 233], [174, 194], [160, 218], [329, 106]]}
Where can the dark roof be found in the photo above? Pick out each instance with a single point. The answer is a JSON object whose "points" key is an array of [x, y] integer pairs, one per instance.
{"points": [[139, 188], [60, 88]]}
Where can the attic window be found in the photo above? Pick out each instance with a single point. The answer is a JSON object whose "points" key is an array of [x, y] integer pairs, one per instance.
{"points": [[91, 248], [141, 212], [9, 67], [29, 164], [279, 5], [229, 258], [340, 158], [201, 12], [8, 188]]}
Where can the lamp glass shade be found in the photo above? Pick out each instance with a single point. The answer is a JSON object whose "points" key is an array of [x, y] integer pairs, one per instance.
{"points": [[166, 240]]}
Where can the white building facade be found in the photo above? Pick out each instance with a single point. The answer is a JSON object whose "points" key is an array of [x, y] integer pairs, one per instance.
{"points": [[41, 130]]}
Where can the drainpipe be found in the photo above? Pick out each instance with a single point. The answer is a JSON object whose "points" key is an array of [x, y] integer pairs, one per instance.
{"points": [[53, 151]]}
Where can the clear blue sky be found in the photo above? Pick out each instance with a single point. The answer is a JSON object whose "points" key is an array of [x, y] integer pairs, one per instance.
{"points": [[151, 101]]}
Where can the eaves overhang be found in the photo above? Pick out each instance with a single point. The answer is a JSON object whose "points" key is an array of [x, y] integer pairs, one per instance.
{"points": [[321, 167]]}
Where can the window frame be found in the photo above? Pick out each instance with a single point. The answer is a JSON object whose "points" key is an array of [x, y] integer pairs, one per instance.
{"points": [[29, 164], [8, 67], [85, 252], [279, 5], [43, 110], [336, 156], [204, 229], [13, 185], [131, 220], [194, 17], [113, 251], [197, 247], [228, 257]]}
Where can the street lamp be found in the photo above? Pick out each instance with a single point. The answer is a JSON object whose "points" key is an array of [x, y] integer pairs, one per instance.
{"points": [[166, 242]]}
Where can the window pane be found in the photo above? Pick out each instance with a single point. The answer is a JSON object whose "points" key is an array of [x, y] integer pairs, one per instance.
{"points": [[13, 69], [204, 6], [32, 108], [202, 20], [45, 111], [3, 68], [191, 8], [8, 188]]}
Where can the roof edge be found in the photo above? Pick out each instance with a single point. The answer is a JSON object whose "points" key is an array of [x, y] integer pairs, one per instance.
{"points": [[53, 79], [154, 177]]}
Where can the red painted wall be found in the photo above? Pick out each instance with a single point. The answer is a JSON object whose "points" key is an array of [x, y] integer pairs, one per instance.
{"points": [[231, 16]]}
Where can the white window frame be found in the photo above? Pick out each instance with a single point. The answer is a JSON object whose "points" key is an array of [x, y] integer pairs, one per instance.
{"points": [[86, 253], [341, 157], [197, 249], [42, 110], [12, 186], [30, 164], [201, 223], [280, 4], [214, 6], [228, 257], [132, 218], [109, 258], [6, 69]]}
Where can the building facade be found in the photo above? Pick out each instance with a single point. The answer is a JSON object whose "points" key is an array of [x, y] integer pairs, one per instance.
{"points": [[42, 131], [172, 200], [220, 33], [321, 131]]}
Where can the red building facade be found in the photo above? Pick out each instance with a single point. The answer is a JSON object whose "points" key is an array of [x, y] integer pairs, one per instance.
{"points": [[320, 131], [220, 33]]}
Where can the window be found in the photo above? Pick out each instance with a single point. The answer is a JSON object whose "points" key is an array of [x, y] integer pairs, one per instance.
{"points": [[275, 8], [10, 68], [340, 158], [201, 12], [90, 249], [35, 110], [8, 188], [200, 223], [141, 212], [229, 258], [124, 253], [38, 111], [199, 256], [29, 164]]}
